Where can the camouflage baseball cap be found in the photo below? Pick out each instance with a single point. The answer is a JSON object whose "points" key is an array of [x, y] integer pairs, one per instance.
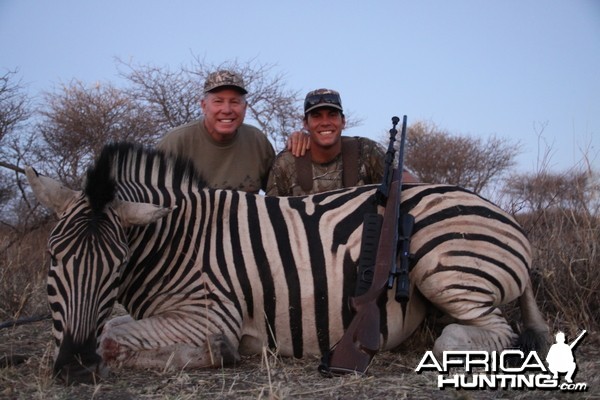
{"points": [[223, 78], [322, 98]]}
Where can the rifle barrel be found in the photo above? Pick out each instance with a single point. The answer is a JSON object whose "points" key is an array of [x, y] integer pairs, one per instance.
{"points": [[574, 342], [383, 191]]}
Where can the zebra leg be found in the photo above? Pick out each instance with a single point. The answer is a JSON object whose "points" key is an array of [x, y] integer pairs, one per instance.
{"points": [[112, 323], [164, 342], [490, 332], [216, 353]]}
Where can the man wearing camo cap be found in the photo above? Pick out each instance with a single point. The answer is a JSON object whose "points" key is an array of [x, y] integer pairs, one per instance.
{"points": [[227, 152], [333, 161]]}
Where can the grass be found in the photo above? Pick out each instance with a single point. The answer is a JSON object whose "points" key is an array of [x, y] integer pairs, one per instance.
{"points": [[263, 376]]}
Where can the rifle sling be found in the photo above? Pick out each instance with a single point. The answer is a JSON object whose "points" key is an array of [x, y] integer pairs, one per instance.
{"points": [[368, 252]]}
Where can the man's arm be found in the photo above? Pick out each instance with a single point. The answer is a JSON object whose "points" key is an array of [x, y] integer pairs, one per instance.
{"points": [[279, 182]]}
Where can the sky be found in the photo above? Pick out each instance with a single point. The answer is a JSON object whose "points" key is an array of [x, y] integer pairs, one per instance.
{"points": [[523, 70]]}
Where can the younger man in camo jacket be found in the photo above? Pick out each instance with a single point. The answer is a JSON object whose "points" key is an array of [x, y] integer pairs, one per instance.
{"points": [[333, 161]]}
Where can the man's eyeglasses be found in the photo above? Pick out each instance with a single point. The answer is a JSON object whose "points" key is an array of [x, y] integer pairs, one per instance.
{"points": [[327, 98]]}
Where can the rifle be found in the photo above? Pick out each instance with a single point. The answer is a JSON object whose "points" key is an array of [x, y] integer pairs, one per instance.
{"points": [[574, 342], [383, 191], [360, 342]]}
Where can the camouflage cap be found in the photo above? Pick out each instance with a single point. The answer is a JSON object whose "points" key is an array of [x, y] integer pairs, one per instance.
{"points": [[322, 98], [223, 78]]}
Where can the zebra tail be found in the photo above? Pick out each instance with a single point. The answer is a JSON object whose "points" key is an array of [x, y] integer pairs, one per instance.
{"points": [[534, 335]]}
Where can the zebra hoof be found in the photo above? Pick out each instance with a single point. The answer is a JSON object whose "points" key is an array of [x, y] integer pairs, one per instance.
{"points": [[223, 351], [453, 337]]}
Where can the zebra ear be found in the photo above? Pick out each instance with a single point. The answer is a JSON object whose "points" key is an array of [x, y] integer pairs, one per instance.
{"points": [[133, 213], [51, 193]]}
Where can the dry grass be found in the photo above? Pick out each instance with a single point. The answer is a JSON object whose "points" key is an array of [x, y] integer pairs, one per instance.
{"points": [[23, 271], [265, 376], [565, 270]]}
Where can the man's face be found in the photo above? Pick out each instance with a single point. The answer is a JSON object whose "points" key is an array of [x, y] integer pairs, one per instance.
{"points": [[224, 112], [325, 126]]}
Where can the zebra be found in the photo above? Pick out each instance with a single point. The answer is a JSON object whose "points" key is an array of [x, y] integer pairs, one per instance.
{"points": [[207, 275]]}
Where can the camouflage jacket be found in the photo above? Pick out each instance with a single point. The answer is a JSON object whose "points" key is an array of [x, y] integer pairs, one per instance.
{"points": [[283, 178]]}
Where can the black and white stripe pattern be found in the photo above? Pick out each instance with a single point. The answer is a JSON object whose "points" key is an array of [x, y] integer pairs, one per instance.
{"points": [[228, 271]]}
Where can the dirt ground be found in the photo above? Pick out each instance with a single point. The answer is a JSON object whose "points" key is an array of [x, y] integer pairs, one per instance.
{"points": [[25, 373]]}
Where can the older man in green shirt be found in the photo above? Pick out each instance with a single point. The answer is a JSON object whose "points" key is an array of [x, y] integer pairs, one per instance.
{"points": [[228, 153]]}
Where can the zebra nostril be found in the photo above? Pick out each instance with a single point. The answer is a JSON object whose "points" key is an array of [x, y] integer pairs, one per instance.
{"points": [[75, 373]]}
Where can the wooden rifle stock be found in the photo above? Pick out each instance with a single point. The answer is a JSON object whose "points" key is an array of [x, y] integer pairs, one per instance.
{"points": [[361, 341]]}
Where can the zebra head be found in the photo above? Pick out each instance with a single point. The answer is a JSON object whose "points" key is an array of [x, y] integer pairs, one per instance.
{"points": [[88, 248]]}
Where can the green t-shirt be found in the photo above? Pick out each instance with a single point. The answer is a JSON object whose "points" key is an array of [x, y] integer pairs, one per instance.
{"points": [[242, 164]]}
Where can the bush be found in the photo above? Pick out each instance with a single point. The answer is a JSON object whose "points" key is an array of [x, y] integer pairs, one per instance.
{"points": [[23, 271], [566, 256]]}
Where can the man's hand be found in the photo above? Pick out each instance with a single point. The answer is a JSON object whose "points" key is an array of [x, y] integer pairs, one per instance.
{"points": [[298, 142]]}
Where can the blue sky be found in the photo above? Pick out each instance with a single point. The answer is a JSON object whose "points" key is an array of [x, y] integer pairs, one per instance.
{"points": [[516, 69]]}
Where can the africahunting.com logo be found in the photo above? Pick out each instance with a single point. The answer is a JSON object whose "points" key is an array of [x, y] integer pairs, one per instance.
{"points": [[509, 369]]}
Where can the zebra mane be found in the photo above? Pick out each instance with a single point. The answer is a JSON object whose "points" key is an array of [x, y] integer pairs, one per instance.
{"points": [[122, 162], [100, 187]]}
